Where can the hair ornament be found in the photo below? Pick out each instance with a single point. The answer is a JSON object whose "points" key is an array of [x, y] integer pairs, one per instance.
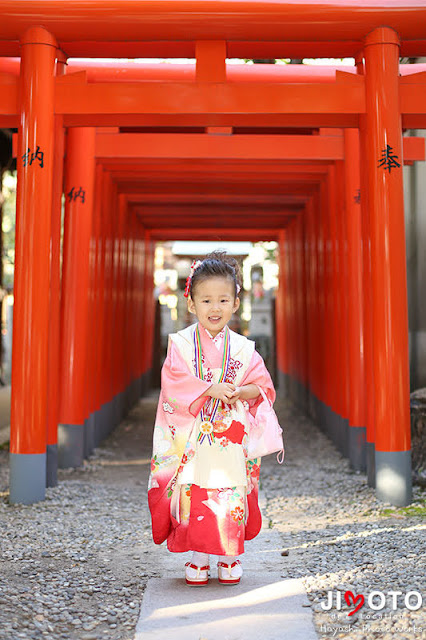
{"points": [[238, 288], [194, 265]]}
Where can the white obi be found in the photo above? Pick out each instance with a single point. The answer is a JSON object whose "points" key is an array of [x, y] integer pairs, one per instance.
{"points": [[220, 463]]}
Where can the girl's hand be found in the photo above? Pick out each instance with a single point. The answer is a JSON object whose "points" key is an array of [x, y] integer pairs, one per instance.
{"points": [[237, 395], [246, 392], [223, 390]]}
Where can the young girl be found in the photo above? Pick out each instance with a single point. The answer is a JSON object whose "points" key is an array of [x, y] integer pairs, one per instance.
{"points": [[203, 490]]}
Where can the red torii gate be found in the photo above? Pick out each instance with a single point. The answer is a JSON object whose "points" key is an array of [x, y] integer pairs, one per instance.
{"points": [[331, 359]]}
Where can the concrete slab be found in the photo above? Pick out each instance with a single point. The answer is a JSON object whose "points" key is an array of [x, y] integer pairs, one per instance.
{"points": [[262, 605]]}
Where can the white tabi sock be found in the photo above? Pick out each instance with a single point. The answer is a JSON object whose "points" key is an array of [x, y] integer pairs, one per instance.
{"points": [[200, 559], [237, 571]]}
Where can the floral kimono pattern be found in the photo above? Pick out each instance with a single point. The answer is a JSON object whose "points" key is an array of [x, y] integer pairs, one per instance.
{"points": [[189, 516]]}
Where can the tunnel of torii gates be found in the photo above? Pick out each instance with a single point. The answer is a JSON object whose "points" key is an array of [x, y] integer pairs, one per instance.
{"points": [[310, 158]]}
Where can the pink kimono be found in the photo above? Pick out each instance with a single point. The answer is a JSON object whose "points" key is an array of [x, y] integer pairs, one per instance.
{"points": [[208, 518]]}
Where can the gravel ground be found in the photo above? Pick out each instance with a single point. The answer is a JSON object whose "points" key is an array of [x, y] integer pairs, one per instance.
{"points": [[75, 566], [340, 538]]}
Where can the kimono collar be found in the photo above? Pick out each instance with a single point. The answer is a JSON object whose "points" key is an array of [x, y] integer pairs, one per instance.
{"points": [[241, 347], [218, 339]]}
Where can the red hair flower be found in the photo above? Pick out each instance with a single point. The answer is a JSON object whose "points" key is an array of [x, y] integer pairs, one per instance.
{"points": [[194, 265]]}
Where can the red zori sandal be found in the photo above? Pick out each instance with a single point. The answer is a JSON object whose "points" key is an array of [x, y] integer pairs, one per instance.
{"points": [[229, 573], [196, 576]]}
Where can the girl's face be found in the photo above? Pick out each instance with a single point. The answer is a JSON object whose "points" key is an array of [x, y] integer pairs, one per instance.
{"points": [[213, 303]]}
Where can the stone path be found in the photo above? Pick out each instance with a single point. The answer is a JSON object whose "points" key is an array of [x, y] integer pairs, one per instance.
{"points": [[263, 604], [263, 601], [76, 566]]}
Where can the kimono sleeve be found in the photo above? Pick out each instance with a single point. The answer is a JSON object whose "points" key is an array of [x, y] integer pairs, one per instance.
{"points": [[178, 382], [258, 374]]}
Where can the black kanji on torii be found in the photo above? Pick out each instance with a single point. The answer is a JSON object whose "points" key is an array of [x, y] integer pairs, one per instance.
{"points": [[389, 160], [74, 194], [28, 157]]}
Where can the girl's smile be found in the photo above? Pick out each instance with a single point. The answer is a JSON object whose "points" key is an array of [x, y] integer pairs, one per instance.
{"points": [[213, 302]]}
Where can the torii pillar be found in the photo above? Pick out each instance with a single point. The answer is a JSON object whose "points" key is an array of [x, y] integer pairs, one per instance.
{"points": [[355, 337], [55, 291], [383, 146], [75, 322], [28, 419], [280, 318]]}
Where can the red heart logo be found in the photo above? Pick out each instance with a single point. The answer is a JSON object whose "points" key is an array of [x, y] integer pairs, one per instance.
{"points": [[360, 599]]}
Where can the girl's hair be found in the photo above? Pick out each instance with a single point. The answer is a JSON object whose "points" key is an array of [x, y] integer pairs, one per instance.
{"points": [[217, 264]]}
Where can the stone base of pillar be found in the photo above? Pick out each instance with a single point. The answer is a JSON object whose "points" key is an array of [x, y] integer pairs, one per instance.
{"points": [[371, 464], [51, 465], [70, 445], [321, 413], [125, 405], [118, 408], [105, 419], [76, 442], [393, 477], [116, 411], [142, 385], [133, 394], [122, 405], [357, 448], [390, 472], [301, 395], [335, 426], [128, 398], [344, 436], [145, 382], [109, 416], [27, 477], [136, 387], [317, 410], [136, 390], [89, 435], [100, 428], [282, 383], [338, 431], [328, 425], [313, 406]]}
